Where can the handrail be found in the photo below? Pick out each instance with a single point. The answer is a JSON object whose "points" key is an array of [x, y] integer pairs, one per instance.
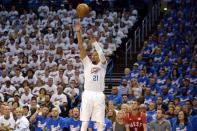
{"points": [[110, 67], [134, 44], [127, 49]]}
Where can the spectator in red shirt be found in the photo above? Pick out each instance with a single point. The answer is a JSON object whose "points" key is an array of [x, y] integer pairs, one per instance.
{"points": [[135, 120]]}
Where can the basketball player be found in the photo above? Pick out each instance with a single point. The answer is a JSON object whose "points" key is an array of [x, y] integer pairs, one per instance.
{"points": [[93, 99]]}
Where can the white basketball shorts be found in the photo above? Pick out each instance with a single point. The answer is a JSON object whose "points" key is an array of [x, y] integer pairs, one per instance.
{"points": [[92, 106]]}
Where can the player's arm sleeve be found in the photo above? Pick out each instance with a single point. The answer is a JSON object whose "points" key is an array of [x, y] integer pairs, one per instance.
{"points": [[86, 61], [100, 53], [83, 53]]}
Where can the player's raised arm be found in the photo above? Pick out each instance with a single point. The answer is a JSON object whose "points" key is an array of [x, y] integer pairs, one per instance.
{"points": [[80, 41], [98, 49]]}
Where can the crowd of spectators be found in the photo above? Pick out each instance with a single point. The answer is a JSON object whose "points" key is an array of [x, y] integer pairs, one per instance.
{"points": [[164, 76], [41, 75]]}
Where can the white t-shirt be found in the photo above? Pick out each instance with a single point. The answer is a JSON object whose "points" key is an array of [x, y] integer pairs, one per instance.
{"points": [[22, 124], [70, 91], [17, 80], [26, 99], [60, 99], [5, 89], [9, 123], [94, 75]]}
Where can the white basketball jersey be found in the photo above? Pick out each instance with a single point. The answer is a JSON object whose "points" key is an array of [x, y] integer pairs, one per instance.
{"points": [[94, 75]]}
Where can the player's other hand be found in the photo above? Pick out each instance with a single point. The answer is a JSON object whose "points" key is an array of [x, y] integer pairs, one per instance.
{"points": [[78, 26]]}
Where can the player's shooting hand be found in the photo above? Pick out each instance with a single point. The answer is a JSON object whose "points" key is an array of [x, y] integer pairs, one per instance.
{"points": [[78, 26]]}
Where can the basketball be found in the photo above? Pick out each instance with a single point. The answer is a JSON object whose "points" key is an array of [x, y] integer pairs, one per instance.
{"points": [[82, 10]]}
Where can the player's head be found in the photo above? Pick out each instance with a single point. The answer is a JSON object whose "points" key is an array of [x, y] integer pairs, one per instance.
{"points": [[95, 58]]}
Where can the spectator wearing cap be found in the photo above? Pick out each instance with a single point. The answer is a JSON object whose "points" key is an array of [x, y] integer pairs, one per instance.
{"points": [[135, 72], [160, 124], [123, 87], [115, 96]]}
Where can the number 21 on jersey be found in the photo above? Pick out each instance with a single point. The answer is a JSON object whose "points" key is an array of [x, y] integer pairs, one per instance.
{"points": [[95, 78]]}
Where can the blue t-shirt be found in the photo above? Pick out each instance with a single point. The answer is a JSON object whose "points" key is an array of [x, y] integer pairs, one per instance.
{"points": [[40, 121], [115, 98], [57, 125], [73, 124], [176, 127], [107, 125]]}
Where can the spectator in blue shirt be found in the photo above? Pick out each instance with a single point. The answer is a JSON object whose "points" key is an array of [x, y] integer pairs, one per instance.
{"points": [[107, 125], [153, 85], [148, 96], [166, 96], [182, 123], [40, 121], [151, 113], [74, 123], [56, 122], [193, 122], [115, 96], [135, 71], [143, 80], [194, 106], [161, 79]]}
